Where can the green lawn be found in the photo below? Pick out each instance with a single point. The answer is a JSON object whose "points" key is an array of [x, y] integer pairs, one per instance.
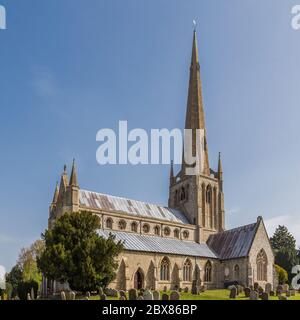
{"points": [[211, 295]]}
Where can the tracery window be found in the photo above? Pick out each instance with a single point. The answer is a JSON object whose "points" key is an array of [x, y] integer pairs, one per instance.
{"points": [[165, 269], [262, 266], [187, 270]]}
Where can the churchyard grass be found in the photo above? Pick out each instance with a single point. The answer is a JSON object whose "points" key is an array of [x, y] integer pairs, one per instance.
{"points": [[210, 295]]}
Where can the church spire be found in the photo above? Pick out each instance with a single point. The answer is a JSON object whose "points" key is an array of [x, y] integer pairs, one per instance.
{"points": [[63, 181], [220, 169], [172, 173], [73, 178], [56, 192], [195, 118]]}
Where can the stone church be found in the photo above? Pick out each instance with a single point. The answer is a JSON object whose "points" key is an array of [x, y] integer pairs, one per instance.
{"points": [[172, 246]]}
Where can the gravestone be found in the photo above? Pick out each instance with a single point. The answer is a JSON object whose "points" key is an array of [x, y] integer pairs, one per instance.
{"points": [[272, 293], [72, 295], [247, 292], [174, 295], [63, 296], [140, 298], [288, 293], [103, 296], [268, 287], [260, 290], [32, 294], [256, 286], [186, 289], [180, 289], [165, 296], [132, 294], [293, 292], [239, 289], [253, 295], [203, 288], [233, 292], [147, 295], [101, 291], [156, 295], [265, 296], [111, 292], [286, 288], [282, 298], [122, 298], [195, 288], [122, 293], [88, 295], [28, 296]]}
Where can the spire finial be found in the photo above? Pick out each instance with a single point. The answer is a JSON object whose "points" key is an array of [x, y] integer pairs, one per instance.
{"points": [[65, 168], [220, 169], [195, 24], [73, 179]]}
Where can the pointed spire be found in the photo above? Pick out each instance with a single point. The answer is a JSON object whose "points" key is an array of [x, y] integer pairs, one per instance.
{"points": [[220, 169], [73, 178], [56, 192], [63, 180], [195, 118], [172, 173]]}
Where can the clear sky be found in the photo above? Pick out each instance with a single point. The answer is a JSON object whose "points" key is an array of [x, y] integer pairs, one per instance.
{"points": [[71, 67]]}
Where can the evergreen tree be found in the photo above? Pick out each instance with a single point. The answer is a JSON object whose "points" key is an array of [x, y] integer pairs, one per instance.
{"points": [[76, 254], [284, 247]]}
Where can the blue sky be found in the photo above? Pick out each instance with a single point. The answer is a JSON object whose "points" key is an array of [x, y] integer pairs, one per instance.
{"points": [[71, 67]]}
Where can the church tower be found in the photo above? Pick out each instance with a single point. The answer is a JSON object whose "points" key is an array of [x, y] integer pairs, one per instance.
{"points": [[198, 193]]}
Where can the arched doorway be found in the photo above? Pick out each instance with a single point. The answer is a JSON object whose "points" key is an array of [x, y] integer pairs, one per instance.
{"points": [[139, 279]]}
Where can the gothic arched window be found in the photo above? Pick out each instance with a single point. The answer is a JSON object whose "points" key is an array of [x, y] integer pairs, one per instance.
{"points": [[109, 223], [236, 272], [122, 224], [187, 270], [262, 266], [208, 194], [207, 271], [156, 230], [165, 269], [182, 194], [185, 234], [146, 228], [134, 227], [176, 233], [167, 231]]}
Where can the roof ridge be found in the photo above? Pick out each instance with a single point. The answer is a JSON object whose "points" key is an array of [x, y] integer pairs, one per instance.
{"points": [[236, 228], [124, 198]]}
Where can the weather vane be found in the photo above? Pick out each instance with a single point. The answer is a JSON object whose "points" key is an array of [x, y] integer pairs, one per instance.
{"points": [[194, 23]]}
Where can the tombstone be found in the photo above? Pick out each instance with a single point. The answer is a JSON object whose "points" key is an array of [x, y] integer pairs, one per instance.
{"points": [[63, 296], [233, 292], [88, 295], [122, 298], [132, 294], [268, 287], [147, 295], [203, 288], [72, 295], [156, 295], [260, 290], [195, 288], [239, 289], [122, 293], [28, 296], [282, 298], [293, 292], [103, 296], [100, 291], [176, 287], [140, 298], [247, 292], [165, 296], [165, 289], [186, 290], [32, 294], [272, 293], [111, 292], [251, 287], [265, 296], [174, 295], [256, 286], [180, 289], [288, 293], [253, 295], [286, 288]]}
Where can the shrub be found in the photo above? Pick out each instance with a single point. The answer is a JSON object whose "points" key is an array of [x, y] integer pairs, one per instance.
{"points": [[25, 287], [282, 274]]}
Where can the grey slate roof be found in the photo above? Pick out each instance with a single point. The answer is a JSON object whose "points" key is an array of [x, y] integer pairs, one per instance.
{"points": [[234, 243], [92, 200], [145, 243]]}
